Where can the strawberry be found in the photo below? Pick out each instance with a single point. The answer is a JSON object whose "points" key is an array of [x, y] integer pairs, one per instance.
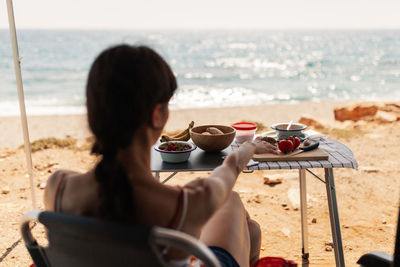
{"points": [[291, 138], [296, 142], [285, 146], [171, 147]]}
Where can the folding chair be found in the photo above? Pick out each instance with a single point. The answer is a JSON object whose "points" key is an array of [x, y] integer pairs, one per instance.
{"points": [[76, 241], [381, 259]]}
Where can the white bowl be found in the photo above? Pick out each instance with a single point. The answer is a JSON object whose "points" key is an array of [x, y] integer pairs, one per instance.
{"points": [[295, 130], [175, 156]]}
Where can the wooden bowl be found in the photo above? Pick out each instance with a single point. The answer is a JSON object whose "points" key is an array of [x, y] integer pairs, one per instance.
{"points": [[212, 143]]}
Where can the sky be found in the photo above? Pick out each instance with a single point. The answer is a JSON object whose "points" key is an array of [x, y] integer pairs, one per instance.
{"points": [[204, 14]]}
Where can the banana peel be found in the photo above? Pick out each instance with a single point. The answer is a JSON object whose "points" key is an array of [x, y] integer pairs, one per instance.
{"points": [[182, 136]]}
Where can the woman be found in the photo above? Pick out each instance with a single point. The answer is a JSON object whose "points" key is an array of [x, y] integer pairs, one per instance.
{"points": [[128, 90]]}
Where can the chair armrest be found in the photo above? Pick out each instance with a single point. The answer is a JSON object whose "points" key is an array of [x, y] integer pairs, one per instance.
{"points": [[25, 230], [164, 236], [36, 251], [376, 259]]}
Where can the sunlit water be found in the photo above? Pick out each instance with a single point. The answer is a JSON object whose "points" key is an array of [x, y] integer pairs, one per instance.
{"points": [[213, 68]]}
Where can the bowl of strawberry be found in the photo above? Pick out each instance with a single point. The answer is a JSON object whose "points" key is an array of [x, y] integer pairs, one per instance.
{"points": [[289, 144], [176, 151]]}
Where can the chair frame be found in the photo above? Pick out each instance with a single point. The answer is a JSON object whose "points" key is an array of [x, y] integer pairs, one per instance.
{"points": [[159, 236], [381, 259]]}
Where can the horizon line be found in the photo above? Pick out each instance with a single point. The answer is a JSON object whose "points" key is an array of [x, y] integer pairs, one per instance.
{"points": [[208, 29]]}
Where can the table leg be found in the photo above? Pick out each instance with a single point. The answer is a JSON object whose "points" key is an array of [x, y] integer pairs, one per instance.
{"points": [[303, 210], [334, 217], [169, 177]]}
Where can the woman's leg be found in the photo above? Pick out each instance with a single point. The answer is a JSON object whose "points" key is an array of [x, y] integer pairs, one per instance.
{"points": [[228, 228], [255, 240]]}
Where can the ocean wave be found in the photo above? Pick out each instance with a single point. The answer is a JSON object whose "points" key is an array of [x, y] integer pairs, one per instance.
{"points": [[11, 108], [213, 68], [200, 97]]}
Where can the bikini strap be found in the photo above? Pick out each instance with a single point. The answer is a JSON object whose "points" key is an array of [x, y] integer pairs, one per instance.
{"points": [[184, 210], [59, 192], [181, 210]]}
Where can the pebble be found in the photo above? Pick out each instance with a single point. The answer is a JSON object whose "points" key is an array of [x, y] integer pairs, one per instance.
{"points": [[272, 181], [345, 226], [42, 185], [294, 197], [328, 248], [329, 243], [384, 222], [287, 208], [284, 204], [369, 169], [286, 231], [314, 220], [5, 190]]}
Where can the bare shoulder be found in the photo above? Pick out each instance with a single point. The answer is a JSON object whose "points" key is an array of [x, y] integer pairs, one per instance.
{"points": [[51, 187]]}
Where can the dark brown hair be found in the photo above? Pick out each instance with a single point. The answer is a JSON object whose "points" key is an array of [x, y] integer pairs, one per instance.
{"points": [[124, 85]]}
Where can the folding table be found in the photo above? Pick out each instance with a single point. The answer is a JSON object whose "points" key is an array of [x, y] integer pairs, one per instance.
{"points": [[340, 156]]}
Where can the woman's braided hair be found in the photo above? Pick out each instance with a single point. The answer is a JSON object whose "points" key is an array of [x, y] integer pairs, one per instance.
{"points": [[124, 85]]}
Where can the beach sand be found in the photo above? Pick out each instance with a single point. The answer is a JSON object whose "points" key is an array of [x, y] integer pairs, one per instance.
{"points": [[368, 198]]}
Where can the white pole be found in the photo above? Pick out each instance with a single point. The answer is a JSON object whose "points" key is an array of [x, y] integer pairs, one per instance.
{"points": [[18, 77]]}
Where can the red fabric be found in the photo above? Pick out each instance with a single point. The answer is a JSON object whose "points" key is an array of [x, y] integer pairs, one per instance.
{"points": [[194, 262], [273, 262]]}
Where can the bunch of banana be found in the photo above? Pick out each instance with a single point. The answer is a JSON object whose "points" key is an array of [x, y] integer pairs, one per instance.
{"points": [[182, 136]]}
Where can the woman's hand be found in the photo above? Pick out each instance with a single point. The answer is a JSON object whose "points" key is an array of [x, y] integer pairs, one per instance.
{"points": [[263, 147]]}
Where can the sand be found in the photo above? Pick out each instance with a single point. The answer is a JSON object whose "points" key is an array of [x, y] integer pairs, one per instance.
{"points": [[368, 198]]}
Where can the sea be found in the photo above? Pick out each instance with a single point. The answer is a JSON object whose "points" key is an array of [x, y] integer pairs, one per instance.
{"points": [[214, 68]]}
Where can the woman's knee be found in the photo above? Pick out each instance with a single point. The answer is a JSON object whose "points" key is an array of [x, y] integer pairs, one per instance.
{"points": [[254, 229], [255, 240], [235, 199], [234, 208]]}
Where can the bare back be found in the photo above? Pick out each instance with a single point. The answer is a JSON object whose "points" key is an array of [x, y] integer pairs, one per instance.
{"points": [[154, 203]]}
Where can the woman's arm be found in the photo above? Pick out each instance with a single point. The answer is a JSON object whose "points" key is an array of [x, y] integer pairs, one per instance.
{"points": [[50, 190], [53, 183], [223, 178], [208, 194]]}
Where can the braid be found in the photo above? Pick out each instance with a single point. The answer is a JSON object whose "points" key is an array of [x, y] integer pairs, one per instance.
{"points": [[124, 85], [116, 194]]}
